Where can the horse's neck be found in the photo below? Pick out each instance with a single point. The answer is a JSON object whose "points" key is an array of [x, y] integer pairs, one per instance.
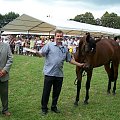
{"points": [[76, 57]]}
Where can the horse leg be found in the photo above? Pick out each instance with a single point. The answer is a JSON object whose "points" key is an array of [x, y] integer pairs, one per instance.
{"points": [[79, 77], [108, 70], [89, 76], [115, 67], [78, 92]]}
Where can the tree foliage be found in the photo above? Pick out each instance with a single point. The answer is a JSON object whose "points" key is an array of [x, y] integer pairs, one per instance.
{"points": [[85, 18], [110, 20], [5, 19], [107, 20]]}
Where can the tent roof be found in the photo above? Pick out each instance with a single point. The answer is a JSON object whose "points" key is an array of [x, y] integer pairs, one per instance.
{"points": [[26, 23]]}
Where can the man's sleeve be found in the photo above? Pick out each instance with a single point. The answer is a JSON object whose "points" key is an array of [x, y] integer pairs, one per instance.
{"points": [[9, 60]]}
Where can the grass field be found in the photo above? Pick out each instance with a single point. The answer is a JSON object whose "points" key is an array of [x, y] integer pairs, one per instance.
{"points": [[25, 91]]}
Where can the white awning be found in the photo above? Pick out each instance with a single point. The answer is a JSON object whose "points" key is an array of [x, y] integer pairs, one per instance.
{"points": [[26, 23]]}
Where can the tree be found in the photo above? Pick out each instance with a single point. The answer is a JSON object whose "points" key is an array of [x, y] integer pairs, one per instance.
{"points": [[98, 21], [85, 18], [107, 20], [110, 20], [5, 19], [1, 20]]}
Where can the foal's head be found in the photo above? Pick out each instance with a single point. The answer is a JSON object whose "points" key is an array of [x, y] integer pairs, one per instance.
{"points": [[87, 45], [86, 50]]}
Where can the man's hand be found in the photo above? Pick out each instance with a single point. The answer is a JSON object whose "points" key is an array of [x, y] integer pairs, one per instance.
{"points": [[38, 54], [2, 73], [82, 65]]}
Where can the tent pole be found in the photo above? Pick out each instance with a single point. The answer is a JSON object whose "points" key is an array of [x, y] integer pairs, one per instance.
{"points": [[49, 35], [28, 34]]}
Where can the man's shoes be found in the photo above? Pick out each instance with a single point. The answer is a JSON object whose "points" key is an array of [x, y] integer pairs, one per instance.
{"points": [[6, 113], [55, 110], [44, 112]]}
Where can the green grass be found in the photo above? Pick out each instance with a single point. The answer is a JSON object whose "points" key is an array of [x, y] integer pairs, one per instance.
{"points": [[25, 91]]}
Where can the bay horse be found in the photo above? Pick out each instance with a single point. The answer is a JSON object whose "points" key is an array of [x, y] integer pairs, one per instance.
{"points": [[95, 53]]}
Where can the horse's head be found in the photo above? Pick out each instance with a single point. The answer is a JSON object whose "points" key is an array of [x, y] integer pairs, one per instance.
{"points": [[86, 49], [89, 45]]}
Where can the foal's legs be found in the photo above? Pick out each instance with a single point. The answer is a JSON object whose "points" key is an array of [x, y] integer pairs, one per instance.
{"points": [[108, 70], [112, 74], [115, 67], [79, 77], [89, 76]]}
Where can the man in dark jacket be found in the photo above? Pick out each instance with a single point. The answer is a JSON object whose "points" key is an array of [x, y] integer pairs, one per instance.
{"points": [[5, 65]]}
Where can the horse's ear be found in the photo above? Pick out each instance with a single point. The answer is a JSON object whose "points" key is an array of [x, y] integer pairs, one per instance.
{"points": [[88, 37], [97, 40]]}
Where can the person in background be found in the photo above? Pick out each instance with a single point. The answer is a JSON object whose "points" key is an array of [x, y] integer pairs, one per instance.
{"points": [[55, 54], [32, 45], [12, 43], [17, 45], [38, 43], [5, 65]]}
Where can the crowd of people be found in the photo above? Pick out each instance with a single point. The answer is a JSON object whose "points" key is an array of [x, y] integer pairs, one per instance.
{"points": [[19, 44]]}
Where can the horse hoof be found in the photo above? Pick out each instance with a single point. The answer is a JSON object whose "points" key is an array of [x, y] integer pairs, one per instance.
{"points": [[76, 103], [85, 102], [108, 92], [113, 93]]}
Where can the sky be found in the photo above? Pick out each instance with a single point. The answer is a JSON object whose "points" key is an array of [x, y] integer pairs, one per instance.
{"points": [[59, 9]]}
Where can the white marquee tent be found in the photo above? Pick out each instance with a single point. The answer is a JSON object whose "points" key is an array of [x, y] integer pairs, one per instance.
{"points": [[25, 23]]}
